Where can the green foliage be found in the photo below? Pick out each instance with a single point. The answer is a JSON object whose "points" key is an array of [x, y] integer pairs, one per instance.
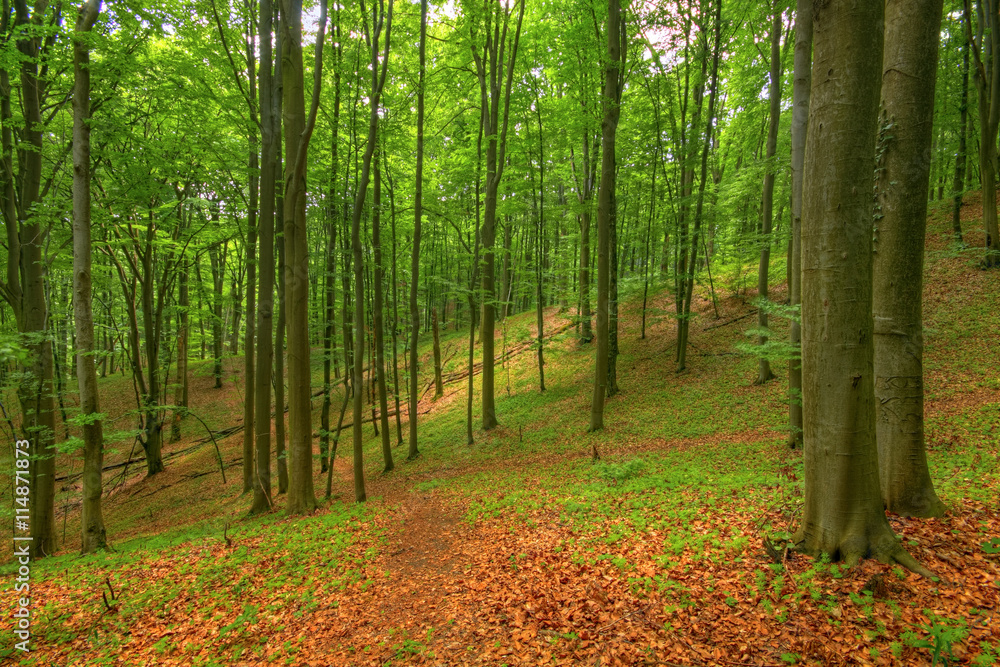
{"points": [[615, 473], [938, 640]]}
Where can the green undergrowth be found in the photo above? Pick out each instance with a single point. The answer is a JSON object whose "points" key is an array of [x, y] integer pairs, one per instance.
{"points": [[268, 565]]}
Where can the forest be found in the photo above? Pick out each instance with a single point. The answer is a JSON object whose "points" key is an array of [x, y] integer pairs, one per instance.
{"points": [[659, 332]]}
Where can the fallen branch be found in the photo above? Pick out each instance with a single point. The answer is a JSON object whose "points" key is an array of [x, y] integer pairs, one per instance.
{"points": [[732, 321]]}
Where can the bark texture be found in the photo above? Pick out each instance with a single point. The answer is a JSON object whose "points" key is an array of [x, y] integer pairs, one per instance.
{"points": [[843, 514], [93, 534], [801, 82], [605, 202], [908, 77]]}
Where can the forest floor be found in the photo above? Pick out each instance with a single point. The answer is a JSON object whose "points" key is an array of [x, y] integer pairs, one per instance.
{"points": [[522, 549]]}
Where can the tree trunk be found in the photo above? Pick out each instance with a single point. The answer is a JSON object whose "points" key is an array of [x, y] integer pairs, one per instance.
{"points": [[395, 308], [909, 69], [383, 401], [217, 259], [764, 373], [843, 514], [586, 333], [280, 451], [801, 82], [265, 306], [958, 185], [684, 325], [183, 329], [988, 85], [380, 18], [507, 278], [605, 202], [539, 250], [249, 430], [93, 534], [298, 132], [418, 212], [495, 69], [438, 386], [330, 275]]}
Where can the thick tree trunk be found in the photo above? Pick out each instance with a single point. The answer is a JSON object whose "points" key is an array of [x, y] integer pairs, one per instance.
{"points": [[93, 534], [265, 307], [909, 69], [25, 252], [801, 83], [843, 515], [298, 131], [605, 202]]}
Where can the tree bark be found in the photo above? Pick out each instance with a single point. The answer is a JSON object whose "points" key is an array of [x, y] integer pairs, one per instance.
{"points": [[958, 185], [438, 386], [801, 83], [418, 212], [249, 430], [909, 69], [377, 319], [183, 331], [843, 514], [93, 534], [988, 86], [605, 202], [262, 501], [380, 17], [217, 259], [298, 132], [684, 325], [495, 69], [764, 373]]}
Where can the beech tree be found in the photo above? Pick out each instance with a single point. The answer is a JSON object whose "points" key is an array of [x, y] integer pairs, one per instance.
{"points": [[909, 69], [94, 536], [801, 83], [298, 131], [610, 99], [495, 69], [843, 515], [986, 46]]}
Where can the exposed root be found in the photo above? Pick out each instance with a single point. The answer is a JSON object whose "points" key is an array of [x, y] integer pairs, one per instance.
{"points": [[903, 558]]}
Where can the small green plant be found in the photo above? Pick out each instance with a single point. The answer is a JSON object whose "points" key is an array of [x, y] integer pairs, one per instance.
{"points": [[790, 658], [992, 545], [939, 640], [616, 473]]}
